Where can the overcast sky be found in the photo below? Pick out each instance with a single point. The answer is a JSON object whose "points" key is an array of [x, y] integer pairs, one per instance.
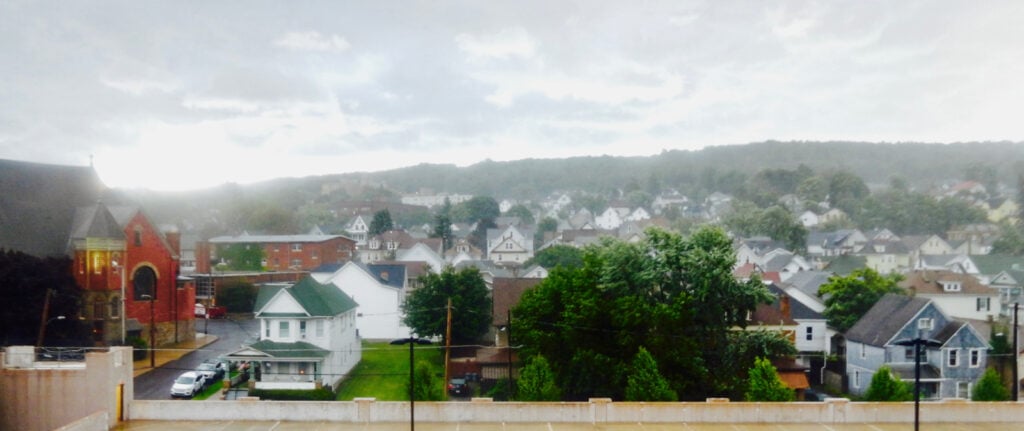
{"points": [[189, 94]]}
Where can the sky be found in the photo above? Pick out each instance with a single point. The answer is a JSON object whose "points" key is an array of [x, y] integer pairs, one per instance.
{"points": [[179, 95]]}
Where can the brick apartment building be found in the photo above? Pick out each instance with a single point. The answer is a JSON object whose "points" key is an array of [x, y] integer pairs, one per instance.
{"points": [[284, 252]]}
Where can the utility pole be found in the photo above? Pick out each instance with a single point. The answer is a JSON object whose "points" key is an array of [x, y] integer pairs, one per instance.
{"points": [[508, 347], [1016, 353], [447, 345], [42, 322]]}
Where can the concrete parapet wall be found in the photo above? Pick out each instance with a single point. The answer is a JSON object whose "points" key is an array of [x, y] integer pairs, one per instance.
{"points": [[66, 392], [598, 410], [99, 421]]}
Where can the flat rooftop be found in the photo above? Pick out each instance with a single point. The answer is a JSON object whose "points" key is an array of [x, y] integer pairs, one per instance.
{"points": [[329, 426]]}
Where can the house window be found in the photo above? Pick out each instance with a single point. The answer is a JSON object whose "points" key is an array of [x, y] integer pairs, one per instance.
{"points": [[283, 331], [302, 329], [953, 358], [99, 309], [963, 389], [863, 350], [138, 236], [810, 333], [856, 379], [984, 304], [313, 254], [267, 332], [508, 246], [296, 247], [297, 263], [319, 328], [144, 284], [950, 286], [925, 323], [975, 358]]}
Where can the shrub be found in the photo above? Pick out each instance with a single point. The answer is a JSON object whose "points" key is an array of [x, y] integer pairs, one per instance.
{"points": [[140, 348], [322, 394]]}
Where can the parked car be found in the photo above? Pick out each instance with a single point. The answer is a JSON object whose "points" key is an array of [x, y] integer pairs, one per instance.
{"points": [[458, 387], [211, 370], [187, 385]]}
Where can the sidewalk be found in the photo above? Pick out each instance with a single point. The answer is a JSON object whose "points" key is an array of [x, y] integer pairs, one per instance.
{"points": [[165, 354]]}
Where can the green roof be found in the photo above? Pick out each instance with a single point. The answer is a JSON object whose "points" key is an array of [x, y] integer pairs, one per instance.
{"points": [[317, 299], [299, 349], [993, 264], [845, 264]]}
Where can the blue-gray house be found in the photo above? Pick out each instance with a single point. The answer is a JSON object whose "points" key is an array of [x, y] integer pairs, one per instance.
{"points": [[948, 370]]}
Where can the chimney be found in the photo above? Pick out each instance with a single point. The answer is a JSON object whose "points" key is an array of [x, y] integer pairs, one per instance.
{"points": [[784, 307], [384, 275]]}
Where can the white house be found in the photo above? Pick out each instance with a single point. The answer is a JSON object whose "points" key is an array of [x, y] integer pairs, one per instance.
{"points": [[307, 336], [511, 245], [421, 252], [358, 229], [960, 296], [611, 218], [380, 290], [808, 218]]}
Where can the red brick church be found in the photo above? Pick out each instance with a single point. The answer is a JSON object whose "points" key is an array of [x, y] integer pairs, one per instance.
{"points": [[127, 267]]}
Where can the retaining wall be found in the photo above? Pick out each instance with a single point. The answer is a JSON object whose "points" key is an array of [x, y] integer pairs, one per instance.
{"points": [[598, 410]]}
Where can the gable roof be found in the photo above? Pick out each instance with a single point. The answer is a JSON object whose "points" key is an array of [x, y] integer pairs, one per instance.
{"points": [[39, 201], [929, 282], [885, 319], [845, 264], [808, 282], [992, 264], [95, 221], [321, 300], [388, 274], [505, 295]]}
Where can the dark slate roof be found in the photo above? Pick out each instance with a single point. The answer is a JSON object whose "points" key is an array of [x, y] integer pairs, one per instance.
{"points": [[391, 275], [995, 263], [948, 331], [38, 202], [778, 262], [808, 281], [317, 299], [95, 221], [891, 313], [797, 309], [298, 349]]}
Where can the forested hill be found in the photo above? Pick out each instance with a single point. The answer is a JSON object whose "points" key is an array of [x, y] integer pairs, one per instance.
{"points": [[919, 164], [694, 173]]}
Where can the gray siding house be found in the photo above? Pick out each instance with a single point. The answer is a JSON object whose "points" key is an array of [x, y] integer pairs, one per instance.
{"points": [[948, 370]]}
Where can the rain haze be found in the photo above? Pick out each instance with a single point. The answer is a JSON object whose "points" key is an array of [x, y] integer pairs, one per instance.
{"points": [[183, 95]]}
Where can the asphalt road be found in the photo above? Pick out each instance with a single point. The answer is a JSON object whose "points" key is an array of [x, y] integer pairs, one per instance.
{"points": [[231, 334]]}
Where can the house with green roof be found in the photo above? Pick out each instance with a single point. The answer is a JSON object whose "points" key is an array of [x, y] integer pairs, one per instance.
{"points": [[308, 336]]}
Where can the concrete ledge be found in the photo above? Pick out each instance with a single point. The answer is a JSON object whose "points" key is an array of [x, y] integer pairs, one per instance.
{"points": [[596, 411]]}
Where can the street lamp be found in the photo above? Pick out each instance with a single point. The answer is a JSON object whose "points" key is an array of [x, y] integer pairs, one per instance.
{"points": [[917, 343], [152, 328], [42, 329], [412, 341]]}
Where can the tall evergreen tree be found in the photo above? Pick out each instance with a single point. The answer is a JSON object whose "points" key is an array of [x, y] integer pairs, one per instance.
{"points": [[381, 222], [990, 388], [645, 383], [886, 387], [537, 382], [765, 384]]}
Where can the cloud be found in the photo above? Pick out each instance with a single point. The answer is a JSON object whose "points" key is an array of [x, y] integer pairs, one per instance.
{"points": [[312, 41], [506, 44]]}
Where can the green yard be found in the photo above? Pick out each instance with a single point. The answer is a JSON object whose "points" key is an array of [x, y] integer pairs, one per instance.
{"points": [[383, 372]]}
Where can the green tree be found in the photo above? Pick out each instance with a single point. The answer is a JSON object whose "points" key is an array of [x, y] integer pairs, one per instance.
{"points": [[427, 388], [849, 298], [674, 296], [557, 255], [746, 219], [443, 230], [24, 281], [546, 224], [1010, 240], [272, 219], [242, 257], [381, 223], [237, 296], [990, 388], [475, 209], [886, 387], [537, 382], [741, 352], [521, 211], [845, 191], [426, 307], [645, 383], [765, 384]]}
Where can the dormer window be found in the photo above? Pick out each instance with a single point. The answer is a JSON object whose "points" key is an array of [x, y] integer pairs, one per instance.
{"points": [[950, 286]]}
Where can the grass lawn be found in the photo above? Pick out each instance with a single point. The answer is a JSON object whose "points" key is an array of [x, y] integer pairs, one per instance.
{"points": [[383, 371]]}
